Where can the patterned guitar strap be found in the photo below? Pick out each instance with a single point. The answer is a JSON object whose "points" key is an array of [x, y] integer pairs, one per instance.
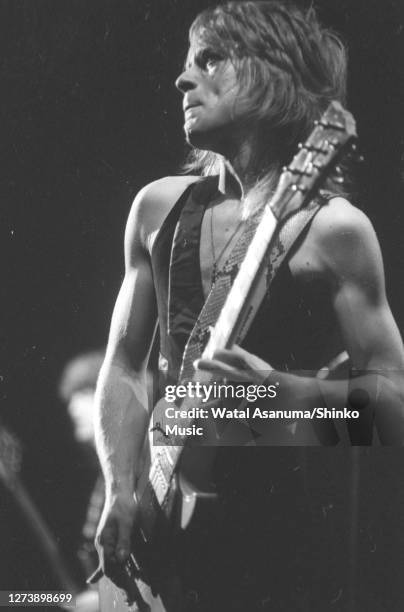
{"points": [[283, 241]]}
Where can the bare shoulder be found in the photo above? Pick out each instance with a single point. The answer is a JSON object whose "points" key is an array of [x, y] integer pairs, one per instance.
{"points": [[340, 219], [345, 242], [150, 207]]}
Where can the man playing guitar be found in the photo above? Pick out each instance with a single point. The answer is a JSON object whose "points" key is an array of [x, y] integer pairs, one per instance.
{"points": [[256, 77]]}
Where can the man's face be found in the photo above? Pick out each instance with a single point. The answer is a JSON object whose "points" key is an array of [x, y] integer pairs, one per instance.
{"points": [[210, 87]]}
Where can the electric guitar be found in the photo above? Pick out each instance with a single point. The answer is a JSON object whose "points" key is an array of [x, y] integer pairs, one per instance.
{"points": [[174, 488]]}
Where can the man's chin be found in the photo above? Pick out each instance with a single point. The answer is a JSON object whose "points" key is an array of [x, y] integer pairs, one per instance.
{"points": [[193, 137], [198, 139]]}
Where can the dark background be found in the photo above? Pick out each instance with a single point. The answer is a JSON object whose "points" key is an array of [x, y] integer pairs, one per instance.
{"points": [[89, 114]]}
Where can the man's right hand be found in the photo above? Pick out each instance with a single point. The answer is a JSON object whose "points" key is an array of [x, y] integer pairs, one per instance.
{"points": [[113, 539]]}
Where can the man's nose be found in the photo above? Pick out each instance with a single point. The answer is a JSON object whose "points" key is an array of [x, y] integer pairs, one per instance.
{"points": [[186, 81]]}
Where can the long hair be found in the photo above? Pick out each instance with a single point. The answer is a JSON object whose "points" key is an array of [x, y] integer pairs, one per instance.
{"points": [[289, 68]]}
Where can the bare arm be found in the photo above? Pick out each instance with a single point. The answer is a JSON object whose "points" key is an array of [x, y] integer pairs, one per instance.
{"points": [[122, 411], [121, 397], [351, 255]]}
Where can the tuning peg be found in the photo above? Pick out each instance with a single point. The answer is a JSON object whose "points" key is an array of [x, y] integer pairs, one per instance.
{"points": [[330, 144], [297, 188], [318, 166], [338, 170], [338, 179]]}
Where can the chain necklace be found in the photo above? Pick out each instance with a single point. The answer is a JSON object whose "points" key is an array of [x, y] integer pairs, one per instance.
{"points": [[216, 260]]}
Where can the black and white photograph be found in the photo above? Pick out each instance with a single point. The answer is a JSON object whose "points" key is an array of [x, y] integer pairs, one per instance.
{"points": [[202, 359]]}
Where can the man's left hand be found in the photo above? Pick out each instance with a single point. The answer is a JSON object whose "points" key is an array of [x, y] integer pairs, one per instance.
{"points": [[235, 364]]}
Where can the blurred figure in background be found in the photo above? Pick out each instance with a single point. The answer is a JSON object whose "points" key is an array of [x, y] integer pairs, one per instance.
{"points": [[76, 389]]}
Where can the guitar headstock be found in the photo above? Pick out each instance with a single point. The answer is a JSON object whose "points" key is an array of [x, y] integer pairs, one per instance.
{"points": [[332, 135]]}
